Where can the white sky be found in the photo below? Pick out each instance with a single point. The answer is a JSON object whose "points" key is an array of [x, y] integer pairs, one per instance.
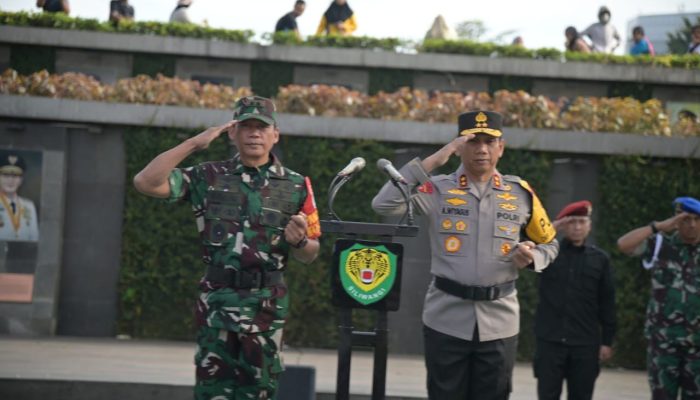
{"points": [[541, 23]]}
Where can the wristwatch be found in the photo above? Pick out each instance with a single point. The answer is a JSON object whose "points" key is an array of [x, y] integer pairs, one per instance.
{"points": [[654, 229], [302, 243]]}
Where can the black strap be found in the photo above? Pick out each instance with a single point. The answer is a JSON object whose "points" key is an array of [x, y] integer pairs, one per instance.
{"points": [[476, 293], [243, 279]]}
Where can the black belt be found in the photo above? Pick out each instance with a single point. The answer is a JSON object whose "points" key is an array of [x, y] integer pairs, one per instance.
{"points": [[476, 293], [243, 279]]}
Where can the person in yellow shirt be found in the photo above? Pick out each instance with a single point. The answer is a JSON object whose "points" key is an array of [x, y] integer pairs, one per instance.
{"points": [[338, 20]]}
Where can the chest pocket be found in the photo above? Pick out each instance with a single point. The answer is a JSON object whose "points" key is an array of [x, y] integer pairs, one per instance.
{"points": [[454, 222], [278, 205], [223, 211]]}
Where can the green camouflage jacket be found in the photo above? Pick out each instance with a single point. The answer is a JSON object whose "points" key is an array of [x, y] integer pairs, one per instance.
{"points": [[674, 306], [241, 213]]}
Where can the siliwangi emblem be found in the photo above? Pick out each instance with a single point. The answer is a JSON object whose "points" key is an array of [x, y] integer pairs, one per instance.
{"points": [[367, 273]]}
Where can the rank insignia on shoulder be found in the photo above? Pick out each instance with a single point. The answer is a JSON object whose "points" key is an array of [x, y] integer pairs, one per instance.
{"points": [[453, 244], [463, 181], [446, 224], [457, 191], [508, 206], [507, 196], [461, 226], [507, 187], [427, 188], [456, 201], [506, 248]]}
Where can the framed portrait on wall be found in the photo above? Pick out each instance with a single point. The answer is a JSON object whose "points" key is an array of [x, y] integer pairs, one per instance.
{"points": [[20, 194]]}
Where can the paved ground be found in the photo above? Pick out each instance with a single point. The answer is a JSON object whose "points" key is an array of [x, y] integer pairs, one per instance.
{"points": [[138, 361]]}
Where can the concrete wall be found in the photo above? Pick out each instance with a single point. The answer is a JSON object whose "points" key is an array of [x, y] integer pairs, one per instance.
{"points": [[92, 234], [354, 79], [556, 88], [103, 66], [231, 73], [449, 82]]}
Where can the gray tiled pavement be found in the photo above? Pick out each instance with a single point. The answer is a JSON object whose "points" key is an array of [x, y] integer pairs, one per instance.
{"points": [[162, 362]]}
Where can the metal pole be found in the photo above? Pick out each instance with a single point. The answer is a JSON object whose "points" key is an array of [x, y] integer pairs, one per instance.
{"points": [[380, 356], [342, 390]]}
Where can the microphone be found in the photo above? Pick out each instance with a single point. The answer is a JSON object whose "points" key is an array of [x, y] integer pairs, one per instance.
{"points": [[355, 165], [388, 168]]}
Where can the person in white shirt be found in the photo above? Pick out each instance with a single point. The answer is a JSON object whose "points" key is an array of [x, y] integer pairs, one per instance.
{"points": [[180, 13], [603, 34]]}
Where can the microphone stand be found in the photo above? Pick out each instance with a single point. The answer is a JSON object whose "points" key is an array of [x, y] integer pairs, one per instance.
{"points": [[333, 191]]}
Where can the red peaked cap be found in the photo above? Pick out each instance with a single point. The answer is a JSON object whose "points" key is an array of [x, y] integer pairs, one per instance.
{"points": [[579, 208]]}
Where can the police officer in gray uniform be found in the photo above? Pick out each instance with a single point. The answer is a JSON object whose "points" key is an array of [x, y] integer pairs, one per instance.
{"points": [[484, 227]]}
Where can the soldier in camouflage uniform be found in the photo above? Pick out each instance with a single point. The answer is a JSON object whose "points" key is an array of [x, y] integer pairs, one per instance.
{"points": [[671, 250], [251, 212]]}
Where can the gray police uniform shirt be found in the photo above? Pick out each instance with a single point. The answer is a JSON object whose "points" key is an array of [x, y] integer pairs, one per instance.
{"points": [[471, 240]]}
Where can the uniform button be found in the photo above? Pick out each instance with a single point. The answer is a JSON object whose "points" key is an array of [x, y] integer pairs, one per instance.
{"points": [[563, 340]]}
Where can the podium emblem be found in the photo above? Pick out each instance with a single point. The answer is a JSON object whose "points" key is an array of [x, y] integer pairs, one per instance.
{"points": [[367, 273]]}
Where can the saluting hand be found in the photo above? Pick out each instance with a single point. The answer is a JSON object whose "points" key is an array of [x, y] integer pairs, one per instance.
{"points": [[295, 230], [671, 224], [442, 156], [522, 255], [204, 139]]}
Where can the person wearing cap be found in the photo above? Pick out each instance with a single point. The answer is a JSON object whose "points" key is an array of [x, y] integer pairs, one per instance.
{"points": [[575, 318], [670, 249], [18, 218], [603, 34], [484, 227], [181, 12], [251, 213]]}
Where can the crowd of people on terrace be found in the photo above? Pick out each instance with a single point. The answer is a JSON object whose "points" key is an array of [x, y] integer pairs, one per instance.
{"points": [[339, 20]]}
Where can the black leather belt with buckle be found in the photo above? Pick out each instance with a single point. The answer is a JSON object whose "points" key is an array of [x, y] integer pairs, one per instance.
{"points": [[476, 293], [243, 279]]}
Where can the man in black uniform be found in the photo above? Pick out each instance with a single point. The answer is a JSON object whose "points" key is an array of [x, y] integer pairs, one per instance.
{"points": [[575, 320]]}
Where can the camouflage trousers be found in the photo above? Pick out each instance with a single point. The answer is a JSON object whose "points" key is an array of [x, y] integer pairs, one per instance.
{"points": [[672, 366], [237, 366]]}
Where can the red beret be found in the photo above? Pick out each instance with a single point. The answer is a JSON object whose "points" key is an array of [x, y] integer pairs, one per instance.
{"points": [[579, 208]]}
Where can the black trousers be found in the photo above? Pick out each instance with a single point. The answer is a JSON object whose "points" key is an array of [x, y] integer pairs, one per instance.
{"points": [[555, 362], [468, 369]]}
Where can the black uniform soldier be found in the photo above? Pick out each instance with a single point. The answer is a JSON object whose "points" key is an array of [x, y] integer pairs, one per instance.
{"points": [[575, 320], [484, 227]]}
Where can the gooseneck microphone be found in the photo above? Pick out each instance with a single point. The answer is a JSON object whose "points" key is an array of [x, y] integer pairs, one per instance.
{"points": [[355, 165], [388, 168]]}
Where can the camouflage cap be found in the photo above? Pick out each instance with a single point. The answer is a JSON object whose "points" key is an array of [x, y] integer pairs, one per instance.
{"points": [[256, 107]]}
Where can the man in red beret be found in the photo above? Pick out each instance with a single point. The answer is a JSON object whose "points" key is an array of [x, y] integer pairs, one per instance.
{"points": [[575, 320]]}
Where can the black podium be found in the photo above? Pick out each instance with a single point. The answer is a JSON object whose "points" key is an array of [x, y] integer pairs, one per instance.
{"points": [[366, 275]]}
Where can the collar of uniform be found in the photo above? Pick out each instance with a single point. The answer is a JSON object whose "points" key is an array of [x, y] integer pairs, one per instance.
{"points": [[497, 181], [463, 181], [568, 244], [272, 167]]}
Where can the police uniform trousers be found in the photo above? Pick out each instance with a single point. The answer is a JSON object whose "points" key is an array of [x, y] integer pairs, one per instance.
{"points": [[468, 369], [555, 362]]}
